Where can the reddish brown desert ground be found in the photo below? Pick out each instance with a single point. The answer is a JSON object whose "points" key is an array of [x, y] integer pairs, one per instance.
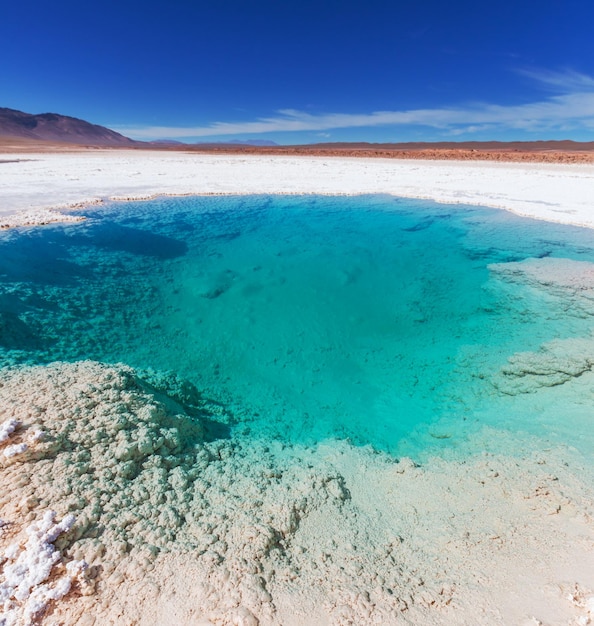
{"points": [[532, 152]]}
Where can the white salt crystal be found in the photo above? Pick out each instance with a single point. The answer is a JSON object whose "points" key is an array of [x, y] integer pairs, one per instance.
{"points": [[17, 448], [23, 591], [7, 428]]}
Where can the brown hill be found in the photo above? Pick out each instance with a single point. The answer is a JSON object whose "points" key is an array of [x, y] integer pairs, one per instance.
{"points": [[58, 128]]}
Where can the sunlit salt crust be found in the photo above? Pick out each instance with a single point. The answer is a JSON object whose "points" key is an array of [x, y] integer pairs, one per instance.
{"points": [[179, 530], [28, 188]]}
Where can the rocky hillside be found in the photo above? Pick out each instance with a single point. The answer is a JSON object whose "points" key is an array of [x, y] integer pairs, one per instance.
{"points": [[58, 128]]}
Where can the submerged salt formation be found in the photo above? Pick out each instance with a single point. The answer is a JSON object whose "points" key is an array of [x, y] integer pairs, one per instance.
{"points": [[570, 284], [570, 280], [179, 529], [557, 362]]}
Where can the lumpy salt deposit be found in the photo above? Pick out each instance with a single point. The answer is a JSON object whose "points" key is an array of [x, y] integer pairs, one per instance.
{"points": [[177, 529], [299, 411]]}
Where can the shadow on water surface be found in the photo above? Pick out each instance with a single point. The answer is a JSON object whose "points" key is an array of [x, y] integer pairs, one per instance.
{"points": [[214, 430], [39, 259], [15, 334], [176, 392], [44, 256], [132, 240], [419, 226]]}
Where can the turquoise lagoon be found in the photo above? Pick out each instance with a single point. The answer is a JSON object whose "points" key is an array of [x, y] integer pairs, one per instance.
{"points": [[371, 318]]}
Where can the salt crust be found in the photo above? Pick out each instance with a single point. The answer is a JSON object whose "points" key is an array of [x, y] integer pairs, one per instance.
{"points": [[37, 217], [555, 192], [180, 530]]}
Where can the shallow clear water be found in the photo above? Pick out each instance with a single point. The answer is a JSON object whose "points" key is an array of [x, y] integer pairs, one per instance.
{"points": [[368, 318]]}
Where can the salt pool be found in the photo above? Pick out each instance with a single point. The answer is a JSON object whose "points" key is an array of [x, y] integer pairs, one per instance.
{"points": [[375, 319]]}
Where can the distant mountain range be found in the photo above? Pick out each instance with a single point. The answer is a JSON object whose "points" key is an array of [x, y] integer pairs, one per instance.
{"points": [[252, 142], [49, 129], [61, 128], [53, 127], [229, 142]]}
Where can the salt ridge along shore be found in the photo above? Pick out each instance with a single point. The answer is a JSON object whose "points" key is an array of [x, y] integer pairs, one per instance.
{"points": [[116, 509], [31, 186]]}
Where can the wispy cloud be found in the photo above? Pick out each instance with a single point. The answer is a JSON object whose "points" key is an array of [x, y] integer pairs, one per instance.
{"points": [[566, 81], [572, 108]]}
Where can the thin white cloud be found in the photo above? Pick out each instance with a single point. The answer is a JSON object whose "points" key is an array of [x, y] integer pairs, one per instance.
{"points": [[566, 81], [574, 108]]}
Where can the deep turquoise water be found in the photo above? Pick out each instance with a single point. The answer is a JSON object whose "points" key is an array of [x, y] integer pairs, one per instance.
{"points": [[368, 318]]}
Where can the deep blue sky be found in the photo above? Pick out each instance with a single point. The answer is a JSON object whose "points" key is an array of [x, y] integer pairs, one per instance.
{"points": [[306, 71]]}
